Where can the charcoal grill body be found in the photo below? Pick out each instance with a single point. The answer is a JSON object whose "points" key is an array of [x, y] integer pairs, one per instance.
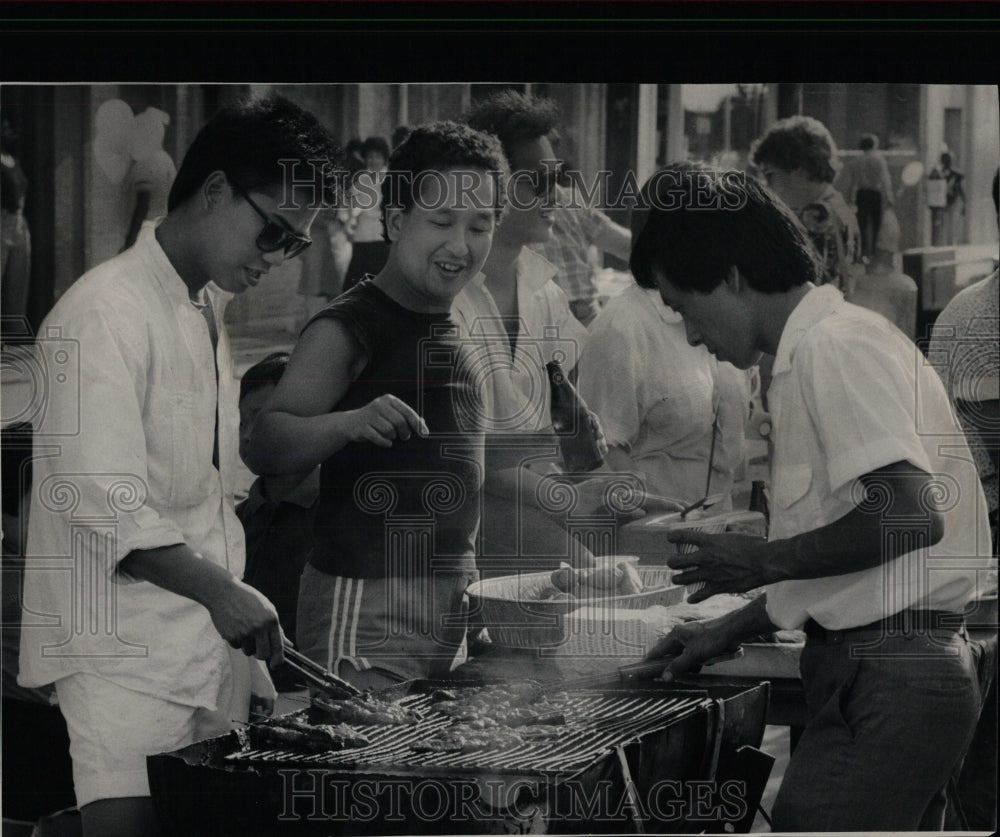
{"points": [[644, 783]]}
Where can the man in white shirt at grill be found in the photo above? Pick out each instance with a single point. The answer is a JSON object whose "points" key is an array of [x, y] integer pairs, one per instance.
{"points": [[133, 604], [879, 534]]}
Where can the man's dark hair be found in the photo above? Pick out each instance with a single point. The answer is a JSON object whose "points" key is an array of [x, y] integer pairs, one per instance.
{"points": [[799, 142], [868, 142], [436, 147], [514, 117], [693, 223], [380, 145], [247, 141], [265, 373]]}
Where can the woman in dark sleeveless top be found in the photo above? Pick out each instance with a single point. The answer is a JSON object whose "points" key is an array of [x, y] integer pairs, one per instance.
{"points": [[378, 394]]}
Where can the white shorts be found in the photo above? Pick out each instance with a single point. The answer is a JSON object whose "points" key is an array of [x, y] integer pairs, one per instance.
{"points": [[112, 729]]}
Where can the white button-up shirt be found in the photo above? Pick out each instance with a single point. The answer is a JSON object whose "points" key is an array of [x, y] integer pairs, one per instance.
{"points": [[517, 388], [851, 394], [657, 396], [123, 462]]}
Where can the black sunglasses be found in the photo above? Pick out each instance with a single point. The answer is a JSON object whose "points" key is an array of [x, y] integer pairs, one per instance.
{"points": [[274, 236]]}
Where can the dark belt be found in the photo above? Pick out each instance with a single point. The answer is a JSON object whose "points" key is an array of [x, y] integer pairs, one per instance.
{"points": [[905, 622]]}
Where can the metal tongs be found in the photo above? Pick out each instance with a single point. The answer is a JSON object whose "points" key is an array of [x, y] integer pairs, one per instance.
{"points": [[320, 677]]}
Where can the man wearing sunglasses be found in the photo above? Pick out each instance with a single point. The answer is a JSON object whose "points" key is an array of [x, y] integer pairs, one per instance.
{"points": [[520, 320], [148, 632]]}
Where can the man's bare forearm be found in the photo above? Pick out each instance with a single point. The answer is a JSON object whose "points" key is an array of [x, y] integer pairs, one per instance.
{"points": [[858, 541], [892, 520], [242, 616], [179, 570]]}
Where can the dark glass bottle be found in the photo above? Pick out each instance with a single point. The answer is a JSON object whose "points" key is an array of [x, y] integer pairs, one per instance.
{"points": [[571, 422], [758, 500]]}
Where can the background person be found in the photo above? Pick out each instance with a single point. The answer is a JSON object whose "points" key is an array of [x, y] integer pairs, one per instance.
{"points": [[354, 155], [325, 265], [15, 237], [369, 249], [399, 135], [154, 450], [277, 519], [667, 408], [954, 193], [580, 232], [868, 187], [519, 319], [863, 431], [797, 158]]}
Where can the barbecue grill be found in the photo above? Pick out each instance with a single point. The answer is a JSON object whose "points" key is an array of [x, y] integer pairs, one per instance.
{"points": [[656, 758]]}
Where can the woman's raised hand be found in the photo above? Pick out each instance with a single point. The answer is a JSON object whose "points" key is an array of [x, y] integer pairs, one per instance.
{"points": [[383, 420]]}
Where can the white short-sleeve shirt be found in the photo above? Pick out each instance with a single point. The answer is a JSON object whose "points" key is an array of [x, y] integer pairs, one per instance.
{"points": [[851, 394], [657, 396], [516, 386]]}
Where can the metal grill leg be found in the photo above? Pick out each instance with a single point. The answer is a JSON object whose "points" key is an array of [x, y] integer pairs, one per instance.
{"points": [[635, 809]]}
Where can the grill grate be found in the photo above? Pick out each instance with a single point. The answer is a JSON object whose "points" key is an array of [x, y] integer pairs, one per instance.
{"points": [[596, 722]]}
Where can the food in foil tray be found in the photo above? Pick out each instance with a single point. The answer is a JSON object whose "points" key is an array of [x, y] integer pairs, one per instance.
{"points": [[569, 583]]}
